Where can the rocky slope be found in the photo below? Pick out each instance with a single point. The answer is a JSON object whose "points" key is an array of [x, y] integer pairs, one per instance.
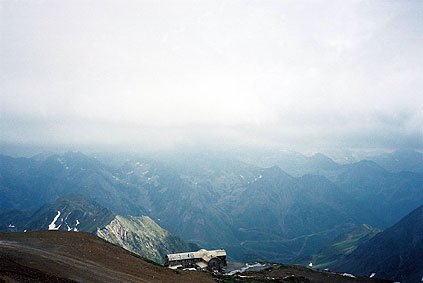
{"points": [[141, 235], [70, 213], [294, 274], [74, 212], [395, 253]]}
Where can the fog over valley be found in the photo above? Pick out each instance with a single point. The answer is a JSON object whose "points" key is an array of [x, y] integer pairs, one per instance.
{"points": [[211, 141]]}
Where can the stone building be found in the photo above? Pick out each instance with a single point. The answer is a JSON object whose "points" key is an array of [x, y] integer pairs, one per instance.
{"points": [[200, 260]]}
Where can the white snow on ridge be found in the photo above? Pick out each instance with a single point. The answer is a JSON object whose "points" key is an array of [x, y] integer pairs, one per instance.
{"points": [[256, 179], [76, 227], [11, 226], [52, 225], [348, 275], [246, 267], [372, 275]]}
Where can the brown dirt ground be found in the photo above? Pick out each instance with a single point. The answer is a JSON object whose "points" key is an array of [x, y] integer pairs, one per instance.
{"points": [[61, 256]]}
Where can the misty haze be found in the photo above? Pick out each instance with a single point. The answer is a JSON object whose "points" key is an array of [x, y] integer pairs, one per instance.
{"points": [[225, 140]]}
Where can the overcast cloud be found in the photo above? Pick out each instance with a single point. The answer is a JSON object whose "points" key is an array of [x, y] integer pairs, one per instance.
{"points": [[303, 75]]}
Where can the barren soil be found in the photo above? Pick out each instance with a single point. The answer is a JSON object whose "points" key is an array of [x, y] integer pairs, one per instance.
{"points": [[61, 256]]}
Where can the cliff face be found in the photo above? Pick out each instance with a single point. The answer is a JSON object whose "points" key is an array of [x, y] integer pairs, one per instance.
{"points": [[141, 235]]}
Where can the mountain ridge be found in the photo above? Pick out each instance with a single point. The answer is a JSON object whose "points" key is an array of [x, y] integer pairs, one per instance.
{"points": [[392, 254], [214, 201], [74, 212]]}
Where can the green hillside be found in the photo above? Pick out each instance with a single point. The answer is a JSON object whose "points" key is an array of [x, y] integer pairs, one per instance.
{"points": [[342, 246]]}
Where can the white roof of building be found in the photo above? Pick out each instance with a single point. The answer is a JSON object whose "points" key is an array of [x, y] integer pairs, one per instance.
{"points": [[203, 254], [201, 264]]}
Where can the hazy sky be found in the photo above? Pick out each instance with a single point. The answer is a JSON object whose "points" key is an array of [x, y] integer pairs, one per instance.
{"points": [[154, 74]]}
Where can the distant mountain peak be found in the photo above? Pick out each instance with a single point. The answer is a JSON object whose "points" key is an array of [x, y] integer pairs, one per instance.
{"points": [[368, 165], [401, 160], [275, 172], [75, 213]]}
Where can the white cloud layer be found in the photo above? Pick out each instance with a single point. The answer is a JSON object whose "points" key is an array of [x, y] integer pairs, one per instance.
{"points": [[304, 74]]}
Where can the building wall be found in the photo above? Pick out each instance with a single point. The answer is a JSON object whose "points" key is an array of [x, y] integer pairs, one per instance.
{"points": [[216, 263]]}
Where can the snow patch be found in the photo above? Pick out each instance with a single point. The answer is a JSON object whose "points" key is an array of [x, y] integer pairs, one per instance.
{"points": [[372, 275], [11, 226], [310, 264], [246, 267], [52, 225], [76, 227], [257, 178], [348, 275]]}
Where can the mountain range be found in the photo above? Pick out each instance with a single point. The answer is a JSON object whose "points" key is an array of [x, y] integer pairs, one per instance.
{"points": [[223, 200]]}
